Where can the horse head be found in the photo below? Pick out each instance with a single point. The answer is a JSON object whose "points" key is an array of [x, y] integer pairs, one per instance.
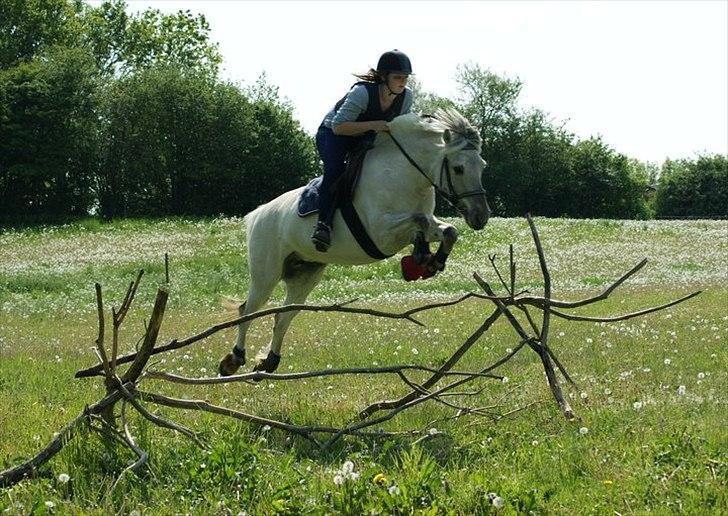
{"points": [[462, 167]]}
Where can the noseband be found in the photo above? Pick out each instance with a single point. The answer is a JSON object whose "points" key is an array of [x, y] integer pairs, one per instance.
{"points": [[452, 197]]}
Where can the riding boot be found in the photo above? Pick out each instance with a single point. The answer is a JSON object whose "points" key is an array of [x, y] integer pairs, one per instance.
{"points": [[321, 236]]}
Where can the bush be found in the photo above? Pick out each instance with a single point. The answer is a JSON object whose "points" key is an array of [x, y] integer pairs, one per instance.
{"points": [[696, 188], [48, 136], [177, 142]]}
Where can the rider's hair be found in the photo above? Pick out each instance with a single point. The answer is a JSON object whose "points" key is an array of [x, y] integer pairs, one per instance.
{"points": [[372, 76]]}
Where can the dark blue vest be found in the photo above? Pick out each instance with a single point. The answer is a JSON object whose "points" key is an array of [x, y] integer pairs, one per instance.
{"points": [[374, 109]]}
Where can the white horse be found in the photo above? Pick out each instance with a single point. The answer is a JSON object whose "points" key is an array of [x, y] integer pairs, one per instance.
{"points": [[395, 199]]}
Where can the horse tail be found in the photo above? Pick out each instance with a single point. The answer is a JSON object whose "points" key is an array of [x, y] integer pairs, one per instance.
{"points": [[232, 305]]}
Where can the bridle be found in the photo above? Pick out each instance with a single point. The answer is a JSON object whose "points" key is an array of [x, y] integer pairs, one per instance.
{"points": [[451, 197]]}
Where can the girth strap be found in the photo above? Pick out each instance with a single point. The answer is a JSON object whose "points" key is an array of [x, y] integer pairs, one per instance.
{"points": [[351, 217]]}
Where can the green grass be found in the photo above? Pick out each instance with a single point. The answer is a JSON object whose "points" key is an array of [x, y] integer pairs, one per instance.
{"points": [[647, 446]]}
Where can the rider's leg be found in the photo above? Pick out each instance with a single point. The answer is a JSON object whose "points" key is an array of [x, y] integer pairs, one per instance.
{"points": [[332, 149]]}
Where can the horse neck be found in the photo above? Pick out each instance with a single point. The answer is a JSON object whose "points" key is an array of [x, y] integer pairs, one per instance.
{"points": [[425, 150]]}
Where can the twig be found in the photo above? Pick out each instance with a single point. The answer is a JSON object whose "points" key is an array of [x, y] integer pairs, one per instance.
{"points": [[262, 375], [150, 338], [160, 421], [472, 339], [17, 473], [118, 317], [626, 316], [101, 350], [130, 441], [339, 307]]}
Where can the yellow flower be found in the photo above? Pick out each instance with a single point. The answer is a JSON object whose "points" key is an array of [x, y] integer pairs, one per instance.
{"points": [[380, 479], [608, 482]]}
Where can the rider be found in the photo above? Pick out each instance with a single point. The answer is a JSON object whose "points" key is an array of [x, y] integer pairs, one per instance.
{"points": [[379, 97]]}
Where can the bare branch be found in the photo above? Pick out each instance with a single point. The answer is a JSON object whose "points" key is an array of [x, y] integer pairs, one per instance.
{"points": [[626, 316], [472, 339], [143, 456], [175, 344], [262, 375], [17, 473], [101, 350], [150, 338]]}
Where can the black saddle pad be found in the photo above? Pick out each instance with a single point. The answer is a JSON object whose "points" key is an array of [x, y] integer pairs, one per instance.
{"points": [[308, 202]]}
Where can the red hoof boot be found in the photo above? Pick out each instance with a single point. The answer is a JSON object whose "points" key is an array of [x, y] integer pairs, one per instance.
{"points": [[410, 270]]}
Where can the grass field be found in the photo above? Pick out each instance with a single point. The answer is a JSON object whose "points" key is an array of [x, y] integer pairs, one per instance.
{"points": [[651, 434]]}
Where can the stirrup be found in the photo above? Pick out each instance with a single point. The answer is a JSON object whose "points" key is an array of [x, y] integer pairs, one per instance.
{"points": [[321, 237]]}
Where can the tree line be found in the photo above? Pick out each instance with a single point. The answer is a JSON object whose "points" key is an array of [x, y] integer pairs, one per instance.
{"points": [[125, 115]]}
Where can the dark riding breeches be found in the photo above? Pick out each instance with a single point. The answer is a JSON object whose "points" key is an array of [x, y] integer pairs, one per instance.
{"points": [[333, 150]]}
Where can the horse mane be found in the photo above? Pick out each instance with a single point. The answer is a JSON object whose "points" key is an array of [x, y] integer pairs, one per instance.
{"points": [[448, 119]]}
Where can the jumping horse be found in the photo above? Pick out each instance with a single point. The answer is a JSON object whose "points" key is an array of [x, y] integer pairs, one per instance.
{"points": [[395, 201]]}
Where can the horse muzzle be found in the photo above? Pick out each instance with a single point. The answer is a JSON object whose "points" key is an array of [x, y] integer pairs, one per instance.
{"points": [[476, 214]]}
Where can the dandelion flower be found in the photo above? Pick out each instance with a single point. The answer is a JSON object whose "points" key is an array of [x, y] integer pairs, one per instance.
{"points": [[393, 490], [583, 430], [637, 405], [434, 431], [415, 352], [50, 504], [347, 467], [584, 395], [379, 479], [498, 502], [667, 361], [338, 479], [63, 478], [504, 379], [681, 390], [701, 376]]}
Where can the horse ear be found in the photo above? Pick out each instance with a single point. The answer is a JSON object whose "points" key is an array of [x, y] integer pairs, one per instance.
{"points": [[447, 136]]}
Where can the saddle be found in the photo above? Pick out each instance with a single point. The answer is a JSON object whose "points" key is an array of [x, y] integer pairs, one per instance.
{"points": [[344, 189]]}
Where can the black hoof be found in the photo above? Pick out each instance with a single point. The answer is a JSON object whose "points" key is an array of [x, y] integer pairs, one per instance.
{"points": [[270, 363], [230, 364]]}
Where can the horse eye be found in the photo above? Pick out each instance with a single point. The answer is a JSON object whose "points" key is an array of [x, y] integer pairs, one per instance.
{"points": [[459, 170]]}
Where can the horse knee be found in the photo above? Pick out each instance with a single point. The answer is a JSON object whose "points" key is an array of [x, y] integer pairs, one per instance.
{"points": [[450, 235]]}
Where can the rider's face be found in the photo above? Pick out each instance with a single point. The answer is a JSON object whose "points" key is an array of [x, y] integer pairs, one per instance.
{"points": [[397, 82]]}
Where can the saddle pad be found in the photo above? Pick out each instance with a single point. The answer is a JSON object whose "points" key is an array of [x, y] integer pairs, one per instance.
{"points": [[308, 202]]}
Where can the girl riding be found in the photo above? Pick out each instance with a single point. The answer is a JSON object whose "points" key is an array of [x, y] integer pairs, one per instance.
{"points": [[379, 97]]}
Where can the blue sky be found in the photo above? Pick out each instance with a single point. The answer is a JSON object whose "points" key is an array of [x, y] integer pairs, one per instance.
{"points": [[651, 77]]}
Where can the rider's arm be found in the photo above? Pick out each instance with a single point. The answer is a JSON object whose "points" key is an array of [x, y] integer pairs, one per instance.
{"points": [[355, 103], [354, 128]]}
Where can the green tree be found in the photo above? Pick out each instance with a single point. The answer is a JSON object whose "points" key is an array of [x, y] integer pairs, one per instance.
{"points": [[693, 188], [123, 43], [177, 142], [486, 99], [28, 27], [48, 135]]}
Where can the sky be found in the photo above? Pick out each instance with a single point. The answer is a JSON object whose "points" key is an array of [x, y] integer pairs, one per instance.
{"points": [[650, 77]]}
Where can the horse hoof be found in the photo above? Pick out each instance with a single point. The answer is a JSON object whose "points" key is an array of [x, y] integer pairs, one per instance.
{"points": [[269, 364], [229, 365]]}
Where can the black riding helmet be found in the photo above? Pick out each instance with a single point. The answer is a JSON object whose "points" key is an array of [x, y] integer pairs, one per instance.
{"points": [[394, 61]]}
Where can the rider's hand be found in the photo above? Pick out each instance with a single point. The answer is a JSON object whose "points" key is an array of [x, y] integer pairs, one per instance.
{"points": [[380, 125]]}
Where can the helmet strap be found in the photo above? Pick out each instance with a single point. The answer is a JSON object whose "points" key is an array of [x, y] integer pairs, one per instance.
{"points": [[386, 84]]}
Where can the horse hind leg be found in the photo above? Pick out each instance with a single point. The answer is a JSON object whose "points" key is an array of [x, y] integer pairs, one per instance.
{"points": [[261, 287], [300, 278]]}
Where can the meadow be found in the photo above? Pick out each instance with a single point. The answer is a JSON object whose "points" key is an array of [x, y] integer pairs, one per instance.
{"points": [[651, 398]]}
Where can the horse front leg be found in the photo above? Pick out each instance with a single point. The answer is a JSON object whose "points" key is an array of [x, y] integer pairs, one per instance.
{"points": [[447, 235]]}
